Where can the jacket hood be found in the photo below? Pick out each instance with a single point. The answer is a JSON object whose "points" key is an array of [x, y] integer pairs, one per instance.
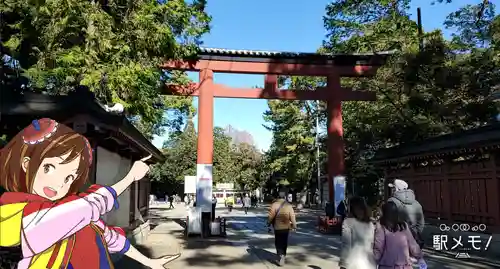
{"points": [[407, 197]]}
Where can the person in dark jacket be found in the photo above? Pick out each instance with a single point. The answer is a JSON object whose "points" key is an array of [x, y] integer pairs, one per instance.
{"points": [[343, 207], [409, 208], [171, 201], [214, 205]]}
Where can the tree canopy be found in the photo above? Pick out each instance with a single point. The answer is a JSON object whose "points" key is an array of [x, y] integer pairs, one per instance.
{"points": [[113, 47], [232, 163], [438, 88]]}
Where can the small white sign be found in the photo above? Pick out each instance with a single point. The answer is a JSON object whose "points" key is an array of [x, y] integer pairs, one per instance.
{"points": [[224, 186], [204, 187], [190, 184]]}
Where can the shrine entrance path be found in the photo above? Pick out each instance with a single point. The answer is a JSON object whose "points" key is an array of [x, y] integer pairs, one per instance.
{"points": [[310, 249]]}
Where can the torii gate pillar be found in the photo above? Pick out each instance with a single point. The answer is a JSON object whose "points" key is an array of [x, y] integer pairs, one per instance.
{"points": [[335, 143], [204, 158], [273, 64]]}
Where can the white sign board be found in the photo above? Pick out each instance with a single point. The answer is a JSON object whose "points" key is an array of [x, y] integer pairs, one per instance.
{"points": [[224, 186], [190, 184], [339, 187], [204, 187]]}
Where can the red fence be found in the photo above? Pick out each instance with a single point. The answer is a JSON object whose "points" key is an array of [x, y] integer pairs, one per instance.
{"points": [[457, 183]]}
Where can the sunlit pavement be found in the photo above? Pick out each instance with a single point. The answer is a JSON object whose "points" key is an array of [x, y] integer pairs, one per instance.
{"points": [[250, 246], [310, 249]]}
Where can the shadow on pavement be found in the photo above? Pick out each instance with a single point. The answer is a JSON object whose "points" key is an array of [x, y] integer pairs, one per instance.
{"points": [[307, 243], [250, 246], [263, 254]]}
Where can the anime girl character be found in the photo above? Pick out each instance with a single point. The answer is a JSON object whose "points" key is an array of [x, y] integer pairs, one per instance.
{"points": [[42, 168]]}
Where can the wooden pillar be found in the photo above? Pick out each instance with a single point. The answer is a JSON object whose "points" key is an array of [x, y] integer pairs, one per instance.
{"points": [[445, 188], [205, 148], [205, 118], [335, 133], [492, 189]]}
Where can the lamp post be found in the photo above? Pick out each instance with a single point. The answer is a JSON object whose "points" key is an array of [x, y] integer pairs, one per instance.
{"points": [[318, 165]]}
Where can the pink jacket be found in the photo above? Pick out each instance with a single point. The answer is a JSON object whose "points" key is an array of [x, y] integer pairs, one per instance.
{"points": [[393, 250]]}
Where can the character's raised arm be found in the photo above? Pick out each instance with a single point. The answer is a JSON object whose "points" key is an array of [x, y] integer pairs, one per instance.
{"points": [[115, 238], [45, 223]]}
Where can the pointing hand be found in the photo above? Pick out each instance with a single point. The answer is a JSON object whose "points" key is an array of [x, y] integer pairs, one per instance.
{"points": [[139, 169]]}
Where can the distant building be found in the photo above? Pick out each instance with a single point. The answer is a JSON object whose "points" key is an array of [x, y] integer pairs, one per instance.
{"points": [[238, 137]]}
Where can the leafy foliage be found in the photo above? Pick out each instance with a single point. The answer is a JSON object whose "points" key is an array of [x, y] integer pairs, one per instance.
{"points": [[113, 47], [231, 163], [442, 87]]}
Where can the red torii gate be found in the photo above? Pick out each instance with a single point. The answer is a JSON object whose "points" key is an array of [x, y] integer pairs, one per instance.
{"points": [[272, 64]]}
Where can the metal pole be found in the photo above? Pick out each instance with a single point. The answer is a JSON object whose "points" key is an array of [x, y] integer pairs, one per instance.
{"points": [[318, 165]]}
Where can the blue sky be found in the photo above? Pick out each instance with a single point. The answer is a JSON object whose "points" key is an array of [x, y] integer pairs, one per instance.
{"points": [[277, 25]]}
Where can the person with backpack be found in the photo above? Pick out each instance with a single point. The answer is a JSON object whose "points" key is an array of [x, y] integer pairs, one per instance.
{"points": [[394, 245], [409, 208], [282, 217]]}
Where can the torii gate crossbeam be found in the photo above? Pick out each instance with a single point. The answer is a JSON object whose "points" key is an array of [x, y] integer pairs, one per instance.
{"points": [[272, 64]]}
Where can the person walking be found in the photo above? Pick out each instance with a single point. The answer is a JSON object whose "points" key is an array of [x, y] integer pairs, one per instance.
{"points": [[230, 203], [171, 201], [343, 207], [409, 208], [214, 205], [394, 245], [152, 199], [282, 217], [357, 237], [247, 202]]}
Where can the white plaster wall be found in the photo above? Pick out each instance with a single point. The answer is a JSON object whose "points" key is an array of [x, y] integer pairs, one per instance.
{"points": [[111, 168]]}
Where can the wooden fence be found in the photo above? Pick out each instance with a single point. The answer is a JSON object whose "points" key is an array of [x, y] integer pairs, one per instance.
{"points": [[455, 177]]}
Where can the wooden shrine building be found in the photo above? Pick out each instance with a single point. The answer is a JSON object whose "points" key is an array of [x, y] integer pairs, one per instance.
{"points": [[455, 176]]}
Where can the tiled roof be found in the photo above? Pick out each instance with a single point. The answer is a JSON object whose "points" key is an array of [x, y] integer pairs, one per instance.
{"points": [[373, 58], [282, 54], [453, 143]]}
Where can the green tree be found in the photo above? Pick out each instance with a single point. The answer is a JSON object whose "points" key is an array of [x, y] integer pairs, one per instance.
{"points": [[439, 89], [223, 163], [246, 161], [231, 163], [291, 154], [421, 93], [113, 47], [180, 157]]}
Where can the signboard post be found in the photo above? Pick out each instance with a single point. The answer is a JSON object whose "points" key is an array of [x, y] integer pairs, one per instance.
{"points": [[204, 187], [339, 195]]}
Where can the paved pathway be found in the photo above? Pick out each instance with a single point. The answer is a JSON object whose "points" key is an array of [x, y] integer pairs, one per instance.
{"points": [[310, 249], [167, 237], [249, 245]]}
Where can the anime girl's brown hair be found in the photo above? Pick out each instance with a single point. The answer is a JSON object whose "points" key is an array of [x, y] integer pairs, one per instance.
{"points": [[60, 142]]}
